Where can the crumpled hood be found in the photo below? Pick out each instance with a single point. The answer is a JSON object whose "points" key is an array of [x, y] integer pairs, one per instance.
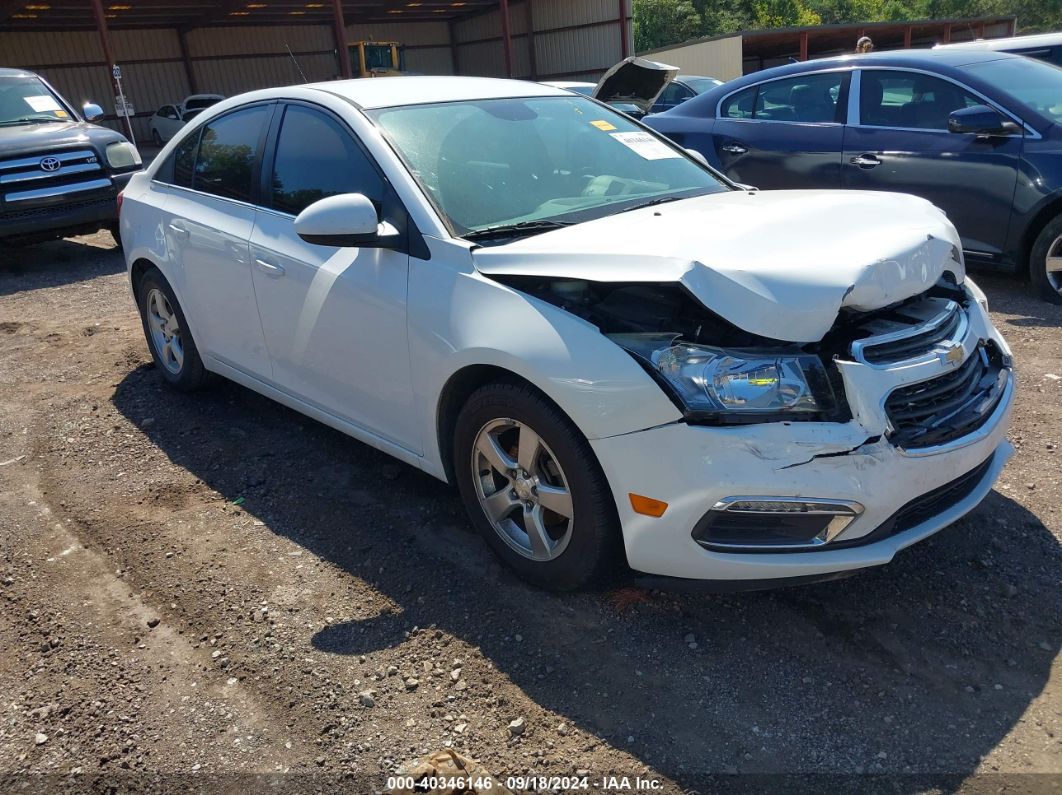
{"points": [[635, 81], [780, 264]]}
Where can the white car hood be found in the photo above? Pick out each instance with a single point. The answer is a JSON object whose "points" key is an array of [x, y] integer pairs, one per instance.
{"points": [[780, 264]]}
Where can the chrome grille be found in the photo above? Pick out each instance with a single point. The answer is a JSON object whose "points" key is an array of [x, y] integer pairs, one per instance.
{"points": [[51, 176], [949, 406], [910, 331]]}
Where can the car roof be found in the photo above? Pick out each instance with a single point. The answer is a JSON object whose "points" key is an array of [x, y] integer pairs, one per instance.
{"points": [[385, 92], [1005, 44], [7, 72]]}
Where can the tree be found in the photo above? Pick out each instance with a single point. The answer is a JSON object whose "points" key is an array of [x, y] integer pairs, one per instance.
{"points": [[784, 14], [658, 23]]}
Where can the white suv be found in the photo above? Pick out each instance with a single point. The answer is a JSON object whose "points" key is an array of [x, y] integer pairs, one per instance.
{"points": [[610, 349]]}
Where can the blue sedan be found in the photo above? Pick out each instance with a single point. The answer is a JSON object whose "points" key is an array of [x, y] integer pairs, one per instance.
{"points": [[977, 133]]}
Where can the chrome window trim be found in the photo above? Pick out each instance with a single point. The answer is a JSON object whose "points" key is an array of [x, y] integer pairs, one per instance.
{"points": [[171, 186], [855, 89], [724, 98]]}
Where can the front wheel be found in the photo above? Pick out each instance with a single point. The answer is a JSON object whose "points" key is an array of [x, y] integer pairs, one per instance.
{"points": [[532, 487], [1045, 262], [168, 337]]}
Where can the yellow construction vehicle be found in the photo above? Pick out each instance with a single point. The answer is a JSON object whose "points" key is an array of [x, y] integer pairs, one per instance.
{"points": [[375, 58]]}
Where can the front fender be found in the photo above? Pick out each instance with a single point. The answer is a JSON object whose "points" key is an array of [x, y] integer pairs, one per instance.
{"points": [[461, 318]]}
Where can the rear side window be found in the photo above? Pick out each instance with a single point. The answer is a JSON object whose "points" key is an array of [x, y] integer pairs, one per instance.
{"points": [[317, 157], [228, 149], [810, 98]]}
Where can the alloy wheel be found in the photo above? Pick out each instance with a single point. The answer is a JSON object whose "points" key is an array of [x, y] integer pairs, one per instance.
{"points": [[522, 489], [1053, 264], [165, 331]]}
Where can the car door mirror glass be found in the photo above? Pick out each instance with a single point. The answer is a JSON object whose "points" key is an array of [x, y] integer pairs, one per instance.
{"points": [[92, 112], [349, 219], [980, 120]]}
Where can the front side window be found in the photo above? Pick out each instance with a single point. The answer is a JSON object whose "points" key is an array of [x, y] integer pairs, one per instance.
{"points": [[502, 162], [675, 93], [317, 158], [167, 112], [25, 99], [228, 148], [1036, 84], [810, 98], [889, 98]]}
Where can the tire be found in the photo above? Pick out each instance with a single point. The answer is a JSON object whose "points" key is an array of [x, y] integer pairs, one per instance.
{"points": [[570, 552], [1048, 244], [156, 138], [181, 366], [115, 230]]}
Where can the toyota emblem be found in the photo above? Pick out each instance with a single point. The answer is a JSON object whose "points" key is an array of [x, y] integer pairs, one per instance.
{"points": [[50, 164]]}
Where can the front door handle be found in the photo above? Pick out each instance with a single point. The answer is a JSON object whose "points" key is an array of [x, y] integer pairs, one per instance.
{"points": [[865, 161], [269, 269], [179, 231], [735, 149]]}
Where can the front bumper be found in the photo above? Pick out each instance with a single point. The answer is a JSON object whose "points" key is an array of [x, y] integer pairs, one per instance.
{"points": [[692, 468], [64, 213]]}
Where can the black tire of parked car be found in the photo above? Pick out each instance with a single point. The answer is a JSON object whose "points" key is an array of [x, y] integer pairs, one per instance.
{"points": [[1045, 241], [116, 232], [156, 138], [192, 374], [594, 551]]}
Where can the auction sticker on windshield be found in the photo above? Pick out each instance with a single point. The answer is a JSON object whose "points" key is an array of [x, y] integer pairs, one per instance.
{"points": [[42, 104], [645, 145]]}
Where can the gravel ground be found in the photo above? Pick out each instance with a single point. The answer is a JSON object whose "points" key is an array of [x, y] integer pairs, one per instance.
{"points": [[214, 584]]}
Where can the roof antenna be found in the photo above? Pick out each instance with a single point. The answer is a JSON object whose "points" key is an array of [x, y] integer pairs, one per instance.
{"points": [[290, 53]]}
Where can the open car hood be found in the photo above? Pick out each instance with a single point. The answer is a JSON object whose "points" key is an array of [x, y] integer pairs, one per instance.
{"points": [[779, 264], [638, 81]]}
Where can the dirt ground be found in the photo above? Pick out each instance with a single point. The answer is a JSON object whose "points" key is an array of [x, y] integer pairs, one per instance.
{"points": [[214, 584]]}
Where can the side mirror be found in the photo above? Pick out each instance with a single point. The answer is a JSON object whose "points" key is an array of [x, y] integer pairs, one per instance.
{"points": [[346, 220], [980, 120], [91, 112], [698, 157]]}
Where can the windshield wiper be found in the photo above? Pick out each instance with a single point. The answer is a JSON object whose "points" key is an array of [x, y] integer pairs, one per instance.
{"points": [[31, 120], [515, 230], [654, 202]]}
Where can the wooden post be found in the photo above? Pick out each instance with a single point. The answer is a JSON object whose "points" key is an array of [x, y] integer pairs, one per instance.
{"points": [[507, 37], [108, 56], [450, 26], [339, 27], [804, 45], [947, 33], [531, 39], [189, 70], [907, 37]]}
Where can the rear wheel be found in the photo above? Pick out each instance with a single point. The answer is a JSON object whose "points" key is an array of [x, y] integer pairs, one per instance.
{"points": [[168, 337], [1045, 262], [533, 488], [156, 138]]}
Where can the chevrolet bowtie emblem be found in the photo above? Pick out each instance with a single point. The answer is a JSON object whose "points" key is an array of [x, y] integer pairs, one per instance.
{"points": [[954, 354]]}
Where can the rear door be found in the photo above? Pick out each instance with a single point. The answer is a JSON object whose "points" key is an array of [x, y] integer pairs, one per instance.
{"points": [[208, 216], [334, 318], [784, 133], [899, 141]]}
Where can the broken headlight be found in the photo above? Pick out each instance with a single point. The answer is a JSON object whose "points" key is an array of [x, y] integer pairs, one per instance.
{"points": [[735, 385]]}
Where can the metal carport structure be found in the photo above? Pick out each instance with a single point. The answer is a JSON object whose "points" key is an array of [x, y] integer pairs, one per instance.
{"points": [[169, 48]]}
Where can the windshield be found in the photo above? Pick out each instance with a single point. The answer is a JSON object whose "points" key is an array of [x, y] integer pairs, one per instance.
{"points": [[1035, 83], [25, 99], [378, 57], [503, 162], [202, 103]]}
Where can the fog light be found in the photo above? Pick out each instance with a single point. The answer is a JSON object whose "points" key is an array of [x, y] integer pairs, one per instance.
{"points": [[764, 524]]}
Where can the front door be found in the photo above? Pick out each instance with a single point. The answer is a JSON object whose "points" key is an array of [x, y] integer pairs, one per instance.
{"points": [[334, 318], [900, 142], [784, 133]]}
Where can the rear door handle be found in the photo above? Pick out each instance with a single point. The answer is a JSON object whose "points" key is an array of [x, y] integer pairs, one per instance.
{"points": [[735, 149], [179, 231], [269, 269], [865, 161]]}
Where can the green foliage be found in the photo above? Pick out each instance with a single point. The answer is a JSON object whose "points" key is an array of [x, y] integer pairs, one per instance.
{"points": [[658, 23]]}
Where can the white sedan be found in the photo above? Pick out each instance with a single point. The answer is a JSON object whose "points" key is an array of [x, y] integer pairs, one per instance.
{"points": [[615, 354]]}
